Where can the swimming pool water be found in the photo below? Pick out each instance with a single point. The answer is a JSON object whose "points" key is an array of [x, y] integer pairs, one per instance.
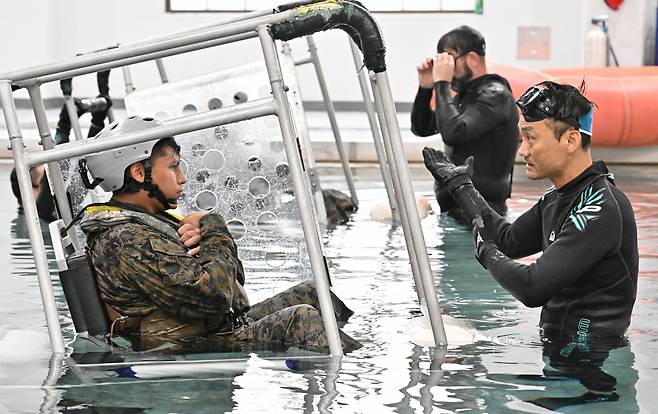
{"points": [[501, 371]]}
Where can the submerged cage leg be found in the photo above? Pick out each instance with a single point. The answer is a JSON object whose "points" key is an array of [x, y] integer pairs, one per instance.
{"points": [[331, 113], [318, 263], [307, 149], [362, 74], [404, 219], [31, 218], [73, 116], [406, 196]]}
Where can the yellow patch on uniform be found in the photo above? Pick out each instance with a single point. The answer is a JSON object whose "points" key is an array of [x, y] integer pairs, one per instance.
{"points": [[173, 214], [96, 209]]}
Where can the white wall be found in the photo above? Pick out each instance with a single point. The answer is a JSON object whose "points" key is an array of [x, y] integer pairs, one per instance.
{"points": [[36, 31]]}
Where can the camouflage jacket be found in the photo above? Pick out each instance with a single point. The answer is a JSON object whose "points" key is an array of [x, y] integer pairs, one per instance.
{"points": [[141, 265]]}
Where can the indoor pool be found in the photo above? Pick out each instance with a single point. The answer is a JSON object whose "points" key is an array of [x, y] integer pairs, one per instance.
{"points": [[499, 371]]}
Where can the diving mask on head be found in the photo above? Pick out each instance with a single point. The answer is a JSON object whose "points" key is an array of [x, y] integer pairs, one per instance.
{"points": [[538, 103]]}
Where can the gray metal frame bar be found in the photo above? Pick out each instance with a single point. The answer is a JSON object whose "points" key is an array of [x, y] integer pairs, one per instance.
{"points": [[331, 113], [128, 80], [31, 217], [376, 135], [314, 246], [189, 41], [161, 71], [404, 220], [54, 170], [407, 200], [240, 18], [73, 116], [130, 87], [108, 59], [23, 161], [311, 168], [116, 57], [172, 127], [160, 64]]}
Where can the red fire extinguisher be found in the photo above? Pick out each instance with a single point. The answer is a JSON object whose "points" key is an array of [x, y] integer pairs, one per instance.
{"points": [[614, 4]]}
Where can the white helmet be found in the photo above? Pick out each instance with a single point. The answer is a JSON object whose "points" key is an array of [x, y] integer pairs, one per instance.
{"points": [[108, 167]]}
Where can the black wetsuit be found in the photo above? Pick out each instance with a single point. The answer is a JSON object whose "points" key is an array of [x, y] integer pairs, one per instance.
{"points": [[482, 120], [586, 278], [45, 202]]}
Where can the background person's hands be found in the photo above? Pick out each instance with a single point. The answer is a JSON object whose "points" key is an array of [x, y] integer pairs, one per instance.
{"points": [[424, 68], [444, 171], [443, 67], [190, 231]]}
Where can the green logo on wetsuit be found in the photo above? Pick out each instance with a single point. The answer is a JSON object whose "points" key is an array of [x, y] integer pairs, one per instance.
{"points": [[587, 208]]}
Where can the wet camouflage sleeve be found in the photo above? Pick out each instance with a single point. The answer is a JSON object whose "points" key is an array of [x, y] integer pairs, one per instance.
{"points": [[141, 261]]}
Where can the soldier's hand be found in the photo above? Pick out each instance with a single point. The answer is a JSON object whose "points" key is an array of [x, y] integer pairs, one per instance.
{"points": [[190, 231], [424, 69], [443, 67]]}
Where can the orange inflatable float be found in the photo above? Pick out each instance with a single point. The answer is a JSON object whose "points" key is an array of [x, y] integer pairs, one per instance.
{"points": [[627, 99]]}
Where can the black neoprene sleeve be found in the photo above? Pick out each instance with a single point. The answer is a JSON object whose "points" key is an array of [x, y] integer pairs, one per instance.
{"points": [[423, 121]]}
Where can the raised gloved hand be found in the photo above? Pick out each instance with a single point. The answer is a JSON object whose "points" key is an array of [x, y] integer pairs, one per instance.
{"points": [[445, 172], [99, 109], [484, 237]]}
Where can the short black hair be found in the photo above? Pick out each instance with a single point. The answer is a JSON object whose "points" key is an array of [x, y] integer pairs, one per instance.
{"points": [[570, 104], [15, 188], [159, 147], [462, 40], [130, 185]]}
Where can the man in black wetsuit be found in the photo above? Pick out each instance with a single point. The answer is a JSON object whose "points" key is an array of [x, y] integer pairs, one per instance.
{"points": [[480, 121], [586, 278]]}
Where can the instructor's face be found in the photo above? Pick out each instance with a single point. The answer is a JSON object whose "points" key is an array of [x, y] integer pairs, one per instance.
{"points": [[545, 156]]}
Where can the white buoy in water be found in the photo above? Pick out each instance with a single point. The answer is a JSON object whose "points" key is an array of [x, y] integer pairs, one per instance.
{"points": [[18, 346], [382, 210], [419, 331]]}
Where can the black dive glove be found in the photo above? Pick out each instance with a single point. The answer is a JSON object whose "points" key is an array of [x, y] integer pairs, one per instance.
{"points": [[64, 123], [99, 108], [484, 237], [445, 172]]}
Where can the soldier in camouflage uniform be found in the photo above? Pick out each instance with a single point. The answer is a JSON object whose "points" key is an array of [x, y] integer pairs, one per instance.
{"points": [[170, 277]]}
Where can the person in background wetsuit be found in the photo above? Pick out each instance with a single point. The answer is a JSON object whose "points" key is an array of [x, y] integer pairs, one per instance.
{"points": [[98, 107], [586, 278], [41, 190], [480, 120]]}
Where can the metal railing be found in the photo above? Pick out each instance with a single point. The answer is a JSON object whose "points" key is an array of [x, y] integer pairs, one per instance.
{"points": [[281, 25]]}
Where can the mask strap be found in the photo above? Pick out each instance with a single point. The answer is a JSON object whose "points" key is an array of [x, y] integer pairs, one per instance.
{"points": [[585, 123]]}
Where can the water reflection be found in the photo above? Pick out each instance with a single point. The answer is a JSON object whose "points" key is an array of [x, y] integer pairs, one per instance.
{"points": [[503, 371], [426, 381], [198, 386], [604, 375], [466, 289]]}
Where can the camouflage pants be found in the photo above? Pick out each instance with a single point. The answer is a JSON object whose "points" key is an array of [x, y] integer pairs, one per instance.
{"points": [[291, 318], [301, 294]]}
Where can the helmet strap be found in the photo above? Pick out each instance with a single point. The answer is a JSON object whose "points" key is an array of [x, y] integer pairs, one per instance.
{"points": [[82, 168], [153, 190]]}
